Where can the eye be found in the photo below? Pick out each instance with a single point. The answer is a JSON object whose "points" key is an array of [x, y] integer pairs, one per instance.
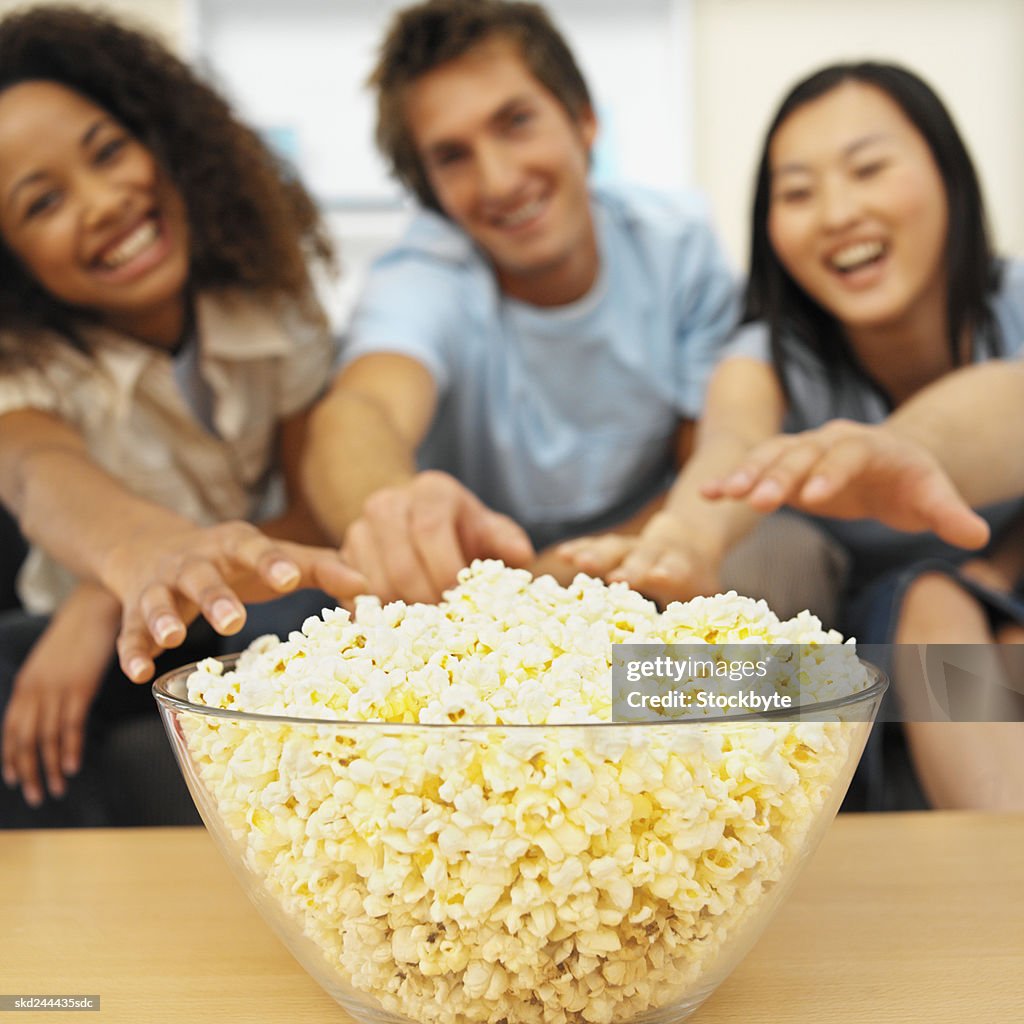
{"points": [[448, 157], [42, 204], [793, 195], [110, 149], [520, 118], [870, 169]]}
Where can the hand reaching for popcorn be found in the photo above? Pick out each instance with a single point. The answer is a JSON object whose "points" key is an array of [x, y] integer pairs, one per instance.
{"points": [[854, 471], [165, 582], [664, 561], [412, 539]]}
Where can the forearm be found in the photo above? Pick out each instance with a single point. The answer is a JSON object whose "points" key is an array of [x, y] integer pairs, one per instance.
{"points": [[744, 407], [353, 449], [65, 502], [972, 421]]}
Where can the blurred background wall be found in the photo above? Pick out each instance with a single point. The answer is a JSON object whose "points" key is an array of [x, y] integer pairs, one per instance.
{"points": [[684, 87]]}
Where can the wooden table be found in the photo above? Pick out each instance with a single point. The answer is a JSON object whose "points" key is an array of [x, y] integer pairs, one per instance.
{"points": [[899, 919]]}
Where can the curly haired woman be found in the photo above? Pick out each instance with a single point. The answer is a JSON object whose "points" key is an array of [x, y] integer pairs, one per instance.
{"points": [[159, 350]]}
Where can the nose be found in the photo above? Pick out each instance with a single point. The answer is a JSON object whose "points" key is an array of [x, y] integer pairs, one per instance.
{"points": [[497, 173], [839, 206], [101, 198]]}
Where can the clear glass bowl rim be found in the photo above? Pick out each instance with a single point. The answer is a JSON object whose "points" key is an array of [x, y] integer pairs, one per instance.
{"points": [[162, 691]]}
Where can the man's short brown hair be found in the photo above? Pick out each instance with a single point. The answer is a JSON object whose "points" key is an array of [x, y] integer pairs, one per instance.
{"points": [[430, 34]]}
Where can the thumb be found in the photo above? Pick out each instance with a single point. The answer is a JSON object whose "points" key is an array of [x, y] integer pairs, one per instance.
{"points": [[493, 535], [951, 518]]}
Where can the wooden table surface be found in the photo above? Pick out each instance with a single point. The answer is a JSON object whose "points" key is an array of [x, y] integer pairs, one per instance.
{"points": [[898, 919]]}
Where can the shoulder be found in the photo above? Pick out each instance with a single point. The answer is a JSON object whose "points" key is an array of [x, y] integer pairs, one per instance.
{"points": [[49, 378], [433, 274], [1008, 306], [658, 217], [667, 237], [431, 244], [752, 340]]}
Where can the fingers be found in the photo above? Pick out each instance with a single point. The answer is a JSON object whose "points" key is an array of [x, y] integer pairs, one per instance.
{"points": [[20, 756], [834, 470], [945, 512], [783, 479], [597, 556], [412, 540], [643, 562], [392, 515], [360, 551], [48, 739], [136, 646], [492, 535], [744, 478], [72, 734]]}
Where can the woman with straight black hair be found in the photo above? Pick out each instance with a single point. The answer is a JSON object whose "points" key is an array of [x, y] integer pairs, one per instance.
{"points": [[872, 279], [873, 294]]}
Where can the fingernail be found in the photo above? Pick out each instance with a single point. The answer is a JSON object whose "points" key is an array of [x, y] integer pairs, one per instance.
{"points": [[33, 798], [56, 790], [226, 614], [284, 574], [70, 766], [815, 487], [767, 490], [738, 480], [138, 668], [166, 628], [9, 779]]}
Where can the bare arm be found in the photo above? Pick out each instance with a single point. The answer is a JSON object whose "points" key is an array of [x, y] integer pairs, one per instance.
{"points": [[159, 565], [363, 436], [408, 533], [64, 501], [977, 410], [918, 470]]}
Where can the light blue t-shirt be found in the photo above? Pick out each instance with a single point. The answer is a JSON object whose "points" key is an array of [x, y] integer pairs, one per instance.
{"points": [[563, 418], [814, 400]]}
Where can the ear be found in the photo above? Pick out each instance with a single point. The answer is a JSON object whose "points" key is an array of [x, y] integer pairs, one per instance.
{"points": [[588, 126]]}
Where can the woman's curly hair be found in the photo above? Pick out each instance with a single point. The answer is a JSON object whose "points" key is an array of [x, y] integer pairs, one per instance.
{"points": [[252, 224]]}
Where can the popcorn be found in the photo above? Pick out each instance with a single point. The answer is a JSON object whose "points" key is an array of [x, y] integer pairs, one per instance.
{"points": [[506, 870]]}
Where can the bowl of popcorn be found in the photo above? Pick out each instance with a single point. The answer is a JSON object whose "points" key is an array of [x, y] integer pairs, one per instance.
{"points": [[442, 812]]}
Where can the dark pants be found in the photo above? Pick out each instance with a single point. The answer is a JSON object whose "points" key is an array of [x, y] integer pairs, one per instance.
{"points": [[129, 775]]}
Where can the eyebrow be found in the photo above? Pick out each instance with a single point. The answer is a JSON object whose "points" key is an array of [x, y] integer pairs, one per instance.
{"points": [[499, 115], [851, 149], [35, 176]]}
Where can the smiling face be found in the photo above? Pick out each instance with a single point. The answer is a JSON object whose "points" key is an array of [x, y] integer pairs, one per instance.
{"points": [[509, 165], [89, 213], [858, 213]]}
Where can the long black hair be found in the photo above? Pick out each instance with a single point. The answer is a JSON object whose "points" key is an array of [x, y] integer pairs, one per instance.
{"points": [[972, 270]]}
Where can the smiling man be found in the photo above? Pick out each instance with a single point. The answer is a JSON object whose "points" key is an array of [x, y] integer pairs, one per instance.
{"points": [[523, 365]]}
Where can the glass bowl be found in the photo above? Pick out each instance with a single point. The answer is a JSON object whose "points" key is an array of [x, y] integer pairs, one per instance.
{"points": [[517, 873]]}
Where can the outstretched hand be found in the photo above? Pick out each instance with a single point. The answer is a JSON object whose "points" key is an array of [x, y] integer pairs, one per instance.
{"points": [[412, 539], [164, 583], [664, 561], [852, 470]]}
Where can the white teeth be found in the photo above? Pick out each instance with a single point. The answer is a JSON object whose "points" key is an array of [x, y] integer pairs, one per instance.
{"points": [[144, 235], [522, 215], [857, 254]]}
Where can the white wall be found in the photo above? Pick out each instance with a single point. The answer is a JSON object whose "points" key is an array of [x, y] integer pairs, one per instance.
{"points": [[164, 17], [748, 53]]}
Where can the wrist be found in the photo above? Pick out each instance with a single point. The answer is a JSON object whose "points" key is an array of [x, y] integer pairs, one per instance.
{"points": [[702, 536]]}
